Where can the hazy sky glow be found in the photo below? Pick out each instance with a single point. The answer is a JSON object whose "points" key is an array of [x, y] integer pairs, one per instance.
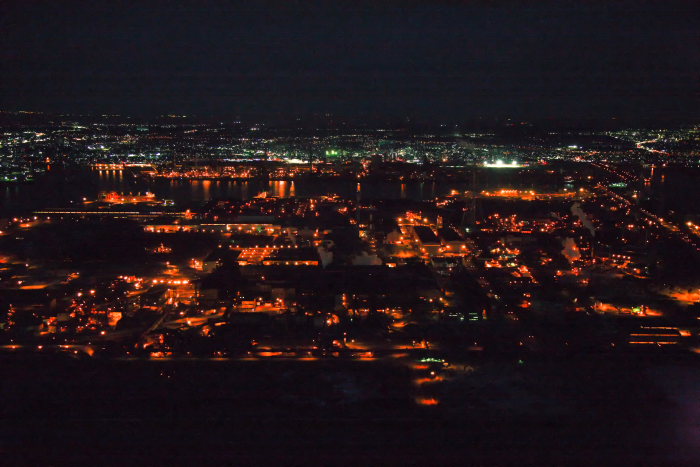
{"points": [[433, 59]]}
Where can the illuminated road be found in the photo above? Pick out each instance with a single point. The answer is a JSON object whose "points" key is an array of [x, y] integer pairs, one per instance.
{"points": [[652, 218], [74, 348], [641, 145], [671, 228]]}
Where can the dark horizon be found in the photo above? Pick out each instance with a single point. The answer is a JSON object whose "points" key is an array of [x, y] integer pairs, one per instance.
{"points": [[443, 61]]}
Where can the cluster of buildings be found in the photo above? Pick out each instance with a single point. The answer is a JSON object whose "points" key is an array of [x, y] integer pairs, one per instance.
{"points": [[513, 259]]}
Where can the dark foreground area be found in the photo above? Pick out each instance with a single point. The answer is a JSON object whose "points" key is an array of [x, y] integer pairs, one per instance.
{"points": [[621, 410]]}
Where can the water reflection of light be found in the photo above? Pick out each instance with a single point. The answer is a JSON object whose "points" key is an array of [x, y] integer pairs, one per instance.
{"points": [[206, 186], [282, 188], [278, 188]]}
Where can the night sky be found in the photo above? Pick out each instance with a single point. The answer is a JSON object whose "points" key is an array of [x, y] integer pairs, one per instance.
{"points": [[450, 61]]}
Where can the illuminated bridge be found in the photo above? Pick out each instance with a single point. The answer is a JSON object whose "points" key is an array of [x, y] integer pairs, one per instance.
{"points": [[107, 213]]}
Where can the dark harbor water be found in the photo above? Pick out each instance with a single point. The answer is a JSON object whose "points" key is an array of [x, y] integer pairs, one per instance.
{"points": [[60, 188], [675, 189]]}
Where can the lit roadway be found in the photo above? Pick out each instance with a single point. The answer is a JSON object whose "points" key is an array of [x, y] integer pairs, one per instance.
{"points": [[641, 145], [671, 228]]}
